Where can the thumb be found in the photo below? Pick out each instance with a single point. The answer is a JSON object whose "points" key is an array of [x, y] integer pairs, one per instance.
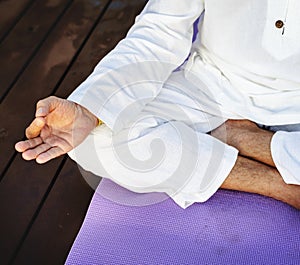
{"points": [[34, 129], [45, 106]]}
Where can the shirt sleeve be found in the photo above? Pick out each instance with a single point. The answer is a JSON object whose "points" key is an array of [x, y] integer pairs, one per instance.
{"points": [[133, 73]]}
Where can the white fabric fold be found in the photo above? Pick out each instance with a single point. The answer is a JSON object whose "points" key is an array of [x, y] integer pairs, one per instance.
{"points": [[241, 67], [286, 154]]}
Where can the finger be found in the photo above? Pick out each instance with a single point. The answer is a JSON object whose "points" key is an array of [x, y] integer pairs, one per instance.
{"points": [[34, 129], [50, 154], [45, 106], [28, 144], [35, 152]]}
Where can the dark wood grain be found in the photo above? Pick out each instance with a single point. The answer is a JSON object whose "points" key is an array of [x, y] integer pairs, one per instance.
{"points": [[57, 224], [11, 12], [22, 42], [109, 31], [42, 207], [24, 184], [21, 192], [44, 73]]}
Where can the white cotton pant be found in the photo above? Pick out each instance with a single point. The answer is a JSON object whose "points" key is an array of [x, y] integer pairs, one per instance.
{"points": [[167, 148], [286, 152]]}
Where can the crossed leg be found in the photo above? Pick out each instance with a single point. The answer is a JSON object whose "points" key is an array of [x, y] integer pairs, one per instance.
{"points": [[255, 170]]}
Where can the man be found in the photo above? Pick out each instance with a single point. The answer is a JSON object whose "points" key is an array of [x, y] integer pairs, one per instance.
{"points": [[157, 110]]}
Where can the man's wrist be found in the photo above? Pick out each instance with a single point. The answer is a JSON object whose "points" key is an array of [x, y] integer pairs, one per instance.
{"points": [[89, 115]]}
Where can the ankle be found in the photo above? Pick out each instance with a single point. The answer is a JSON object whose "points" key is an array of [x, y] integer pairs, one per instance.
{"points": [[289, 194]]}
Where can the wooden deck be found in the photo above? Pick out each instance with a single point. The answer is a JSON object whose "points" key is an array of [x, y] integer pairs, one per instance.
{"points": [[47, 47]]}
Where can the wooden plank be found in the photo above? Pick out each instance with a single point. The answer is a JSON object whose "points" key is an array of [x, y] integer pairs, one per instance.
{"points": [[21, 193], [22, 42], [11, 12], [24, 184], [44, 72], [56, 227], [35, 248]]}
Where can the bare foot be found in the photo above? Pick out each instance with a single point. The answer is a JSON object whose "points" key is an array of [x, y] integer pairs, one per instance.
{"points": [[293, 197], [287, 193]]}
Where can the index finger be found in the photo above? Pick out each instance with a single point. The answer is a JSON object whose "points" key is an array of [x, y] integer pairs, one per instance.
{"points": [[45, 106]]}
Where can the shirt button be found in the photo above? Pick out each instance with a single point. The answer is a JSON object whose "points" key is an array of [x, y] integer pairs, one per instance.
{"points": [[279, 24]]}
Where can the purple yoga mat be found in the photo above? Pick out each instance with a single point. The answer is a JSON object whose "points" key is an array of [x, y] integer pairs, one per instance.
{"points": [[231, 228]]}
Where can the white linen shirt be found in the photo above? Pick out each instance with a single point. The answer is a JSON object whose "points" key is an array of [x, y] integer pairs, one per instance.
{"points": [[251, 48]]}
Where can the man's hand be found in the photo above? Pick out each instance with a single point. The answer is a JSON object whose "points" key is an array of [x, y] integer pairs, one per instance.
{"points": [[59, 126]]}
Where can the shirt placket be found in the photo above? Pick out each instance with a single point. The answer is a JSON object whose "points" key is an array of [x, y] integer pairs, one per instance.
{"points": [[279, 38]]}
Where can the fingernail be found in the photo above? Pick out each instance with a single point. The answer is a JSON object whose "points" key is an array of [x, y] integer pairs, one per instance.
{"points": [[40, 112], [17, 147]]}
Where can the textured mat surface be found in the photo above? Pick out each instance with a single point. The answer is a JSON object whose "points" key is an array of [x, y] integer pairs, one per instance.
{"points": [[231, 228]]}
